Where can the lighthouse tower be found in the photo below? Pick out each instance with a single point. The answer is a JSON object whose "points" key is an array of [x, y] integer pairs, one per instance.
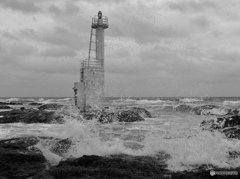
{"points": [[90, 90]]}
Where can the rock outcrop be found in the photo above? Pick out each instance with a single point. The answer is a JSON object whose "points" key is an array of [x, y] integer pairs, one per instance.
{"points": [[5, 107], [17, 161], [229, 125], [11, 103], [206, 110], [35, 104], [51, 106], [124, 115], [30, 116]]}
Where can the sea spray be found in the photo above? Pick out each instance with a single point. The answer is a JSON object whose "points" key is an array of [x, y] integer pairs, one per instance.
{"points": [[178, 135], [187, 150]]}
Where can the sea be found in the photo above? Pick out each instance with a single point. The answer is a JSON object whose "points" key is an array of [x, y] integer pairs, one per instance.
{"points": [[174, 132]]}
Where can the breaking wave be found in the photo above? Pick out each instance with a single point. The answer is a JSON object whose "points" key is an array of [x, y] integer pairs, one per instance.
{"points": [[178, 135]]}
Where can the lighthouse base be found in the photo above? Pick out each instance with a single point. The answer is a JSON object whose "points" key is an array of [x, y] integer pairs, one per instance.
{"points": [[90, 91]]}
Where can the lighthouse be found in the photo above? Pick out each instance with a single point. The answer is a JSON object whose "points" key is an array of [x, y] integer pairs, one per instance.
{"points": [[90, 90]]}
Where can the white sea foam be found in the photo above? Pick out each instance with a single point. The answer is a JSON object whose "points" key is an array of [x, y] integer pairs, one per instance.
{"points": [[12, 99], [177, 135], [215, 111], [231, 103], [150, 101], [190, 100]]}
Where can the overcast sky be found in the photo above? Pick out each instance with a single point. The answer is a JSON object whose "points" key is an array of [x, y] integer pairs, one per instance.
{"points": [[152, 48]]}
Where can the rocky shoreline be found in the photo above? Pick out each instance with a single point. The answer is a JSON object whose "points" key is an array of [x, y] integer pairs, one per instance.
{"points": [[54, 113], [19, 159]]}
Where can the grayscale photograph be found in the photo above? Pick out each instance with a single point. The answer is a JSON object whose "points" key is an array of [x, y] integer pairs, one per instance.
{"points": [[119, 89]]}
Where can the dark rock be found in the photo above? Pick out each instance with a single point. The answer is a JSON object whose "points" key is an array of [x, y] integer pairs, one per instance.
{"points": [[123, 166], [116, 166], [105, 116], [92, 113], [233, 112], [233, 132], [108, 116], [35, 104], [30, 116], [222, 122], [15, 103], [5, 107], [203, 110], [20, 160], [3, 103], [183, 108], [51, 106], [128, 116], [229, 125], [210, 110], [17, 161], [11, 103], [61, 147], [142, 112]]}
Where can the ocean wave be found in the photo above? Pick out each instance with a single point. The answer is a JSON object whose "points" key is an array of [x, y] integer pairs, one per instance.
{"points": [[190, 100], [12, 99], [150, 101], [64, 100], [231, 103], [204, 109]]}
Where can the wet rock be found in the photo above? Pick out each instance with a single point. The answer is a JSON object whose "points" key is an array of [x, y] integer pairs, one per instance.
{"points": [[93, 113], [123, 166], [229, 125], [17, 161], [203, 110], [233, 112], [61, 147], [11, 103], [108, 116], [128, 116], [233, 133], [30, 116], [142, 112], [51, 106], [35, 104], [116, 166], [210, 110], [183, 108], [5, 107]]}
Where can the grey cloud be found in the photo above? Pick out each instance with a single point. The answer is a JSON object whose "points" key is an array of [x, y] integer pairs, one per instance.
{"points": [[142, 30], [9, 35], [51, 65], [25, 6], [201, 22], [193, 5], [105, 1], [69, 9], [63, 37], [72, 8], [172, 61], [7, 58], [22, 49], [223, 55], [54, 9], [59, 52], [27, 32]]}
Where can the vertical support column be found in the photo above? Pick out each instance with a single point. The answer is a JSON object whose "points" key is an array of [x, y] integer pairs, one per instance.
{"points": [[100, 45]]}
